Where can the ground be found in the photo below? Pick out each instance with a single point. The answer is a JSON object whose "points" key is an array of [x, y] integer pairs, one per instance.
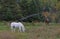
{"points": [[33, 31]]}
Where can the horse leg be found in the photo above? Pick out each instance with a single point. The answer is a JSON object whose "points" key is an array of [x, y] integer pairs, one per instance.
{"points": [[20, 29], [12, 28]]}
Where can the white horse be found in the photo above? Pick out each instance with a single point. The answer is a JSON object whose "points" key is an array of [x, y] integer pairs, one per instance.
{"points": [[17, 25]]}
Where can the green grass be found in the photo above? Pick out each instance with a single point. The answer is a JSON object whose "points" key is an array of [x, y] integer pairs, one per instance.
{"points": [[33, 31]]}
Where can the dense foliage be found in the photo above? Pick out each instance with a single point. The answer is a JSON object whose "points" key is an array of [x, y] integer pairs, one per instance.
{"points": [[17, 9]]}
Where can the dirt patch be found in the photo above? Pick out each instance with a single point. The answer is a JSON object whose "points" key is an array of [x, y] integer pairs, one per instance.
{"points": [[7, 35]]}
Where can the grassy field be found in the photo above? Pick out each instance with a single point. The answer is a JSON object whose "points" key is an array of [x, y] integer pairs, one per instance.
{"points": [[33, 31]]}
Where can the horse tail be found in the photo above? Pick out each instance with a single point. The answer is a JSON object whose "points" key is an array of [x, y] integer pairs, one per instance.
{"points": [[23, 28]]}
